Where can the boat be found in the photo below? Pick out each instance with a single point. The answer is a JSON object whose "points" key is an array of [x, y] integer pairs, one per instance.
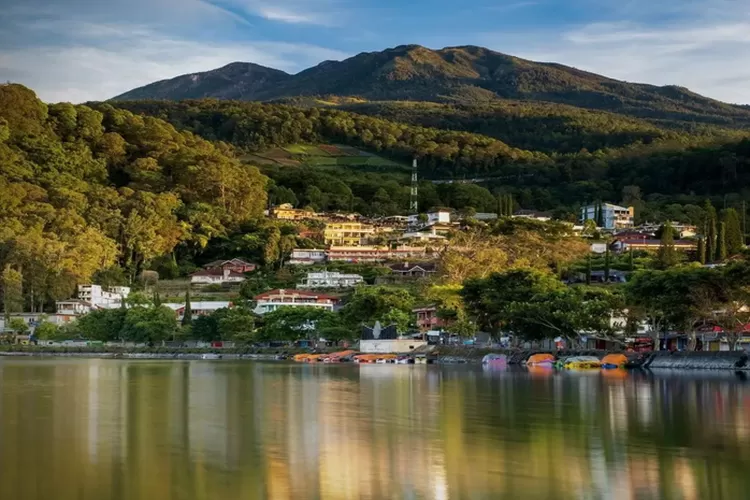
{"points": [[338, 357], [582, 363], [495, 360], [541, 360], [211, 356], [299, 358], [612, 361], [312, 358]]}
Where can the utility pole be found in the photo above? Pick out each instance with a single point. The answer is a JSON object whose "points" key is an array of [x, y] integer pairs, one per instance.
{"points": [[414, 201]]}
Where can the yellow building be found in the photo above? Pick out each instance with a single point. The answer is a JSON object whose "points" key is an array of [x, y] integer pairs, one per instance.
{"points": [[347, 234], [287, 212]]}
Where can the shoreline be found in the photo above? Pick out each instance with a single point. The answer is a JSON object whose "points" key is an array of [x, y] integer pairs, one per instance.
{"points": [[442, 355]]}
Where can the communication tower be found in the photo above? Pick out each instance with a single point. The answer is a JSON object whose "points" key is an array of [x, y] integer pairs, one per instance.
{"points": [[414, 200]]}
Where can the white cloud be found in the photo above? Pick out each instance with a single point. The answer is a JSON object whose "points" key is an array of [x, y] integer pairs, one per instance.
{"points": [[130, 58], [314, 12], [711, 57]]}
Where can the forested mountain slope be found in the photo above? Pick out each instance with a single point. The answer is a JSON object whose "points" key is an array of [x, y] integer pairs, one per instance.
{"points": [[83, 189], [685, 165], [455, 74]]}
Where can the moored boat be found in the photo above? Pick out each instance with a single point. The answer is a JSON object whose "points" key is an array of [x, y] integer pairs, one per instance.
{"points": [[544, 359], [582, 363]]}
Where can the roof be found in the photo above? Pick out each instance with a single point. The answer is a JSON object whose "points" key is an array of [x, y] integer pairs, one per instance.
{"points": [[295, 293], [235, 262], [405, 267]]}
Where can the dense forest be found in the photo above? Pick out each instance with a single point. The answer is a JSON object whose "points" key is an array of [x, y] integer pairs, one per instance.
{"points": [[86, 191], [681, 168]]}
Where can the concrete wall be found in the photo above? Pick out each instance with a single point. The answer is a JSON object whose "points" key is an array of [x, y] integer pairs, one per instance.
{"points": [[389, 346]]}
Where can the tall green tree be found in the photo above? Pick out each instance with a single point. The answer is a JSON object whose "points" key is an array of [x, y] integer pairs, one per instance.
{"points": [[12, 288], [701, 253], [710, 230], [187, 317], [667, 255], [721, 243], [733, 236], [606, 264]]}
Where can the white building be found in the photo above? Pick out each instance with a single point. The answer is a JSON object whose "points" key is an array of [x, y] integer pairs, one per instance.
{"points": [[216, 276], [303, 257], [92, 297], [325, 279], [275, 299], [436, 217], [103, 298], [613, 216]]}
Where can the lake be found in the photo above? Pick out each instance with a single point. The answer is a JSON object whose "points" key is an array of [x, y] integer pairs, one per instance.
{"points": [[193, 430]]}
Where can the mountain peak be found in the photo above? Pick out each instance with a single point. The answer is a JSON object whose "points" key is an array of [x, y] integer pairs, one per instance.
{"points": [[453, 74]]}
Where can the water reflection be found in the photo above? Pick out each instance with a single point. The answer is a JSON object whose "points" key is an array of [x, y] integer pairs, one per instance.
{"points": [[97, 429]]}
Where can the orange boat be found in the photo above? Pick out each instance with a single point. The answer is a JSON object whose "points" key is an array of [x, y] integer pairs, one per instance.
{"points": [[299, 358], [336, 357], [312, 358], [541, 360], [614, 361]]}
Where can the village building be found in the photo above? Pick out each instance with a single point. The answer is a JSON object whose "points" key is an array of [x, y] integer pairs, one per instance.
{"points": [[275, 299], [216, 277], [612, 216], [625, 244], [347, 234], [200, 308], [91, 297], [427, 318], [412, 270], [376, 253], [533, 215], [330, 279], [385, 340], [286, 211], [306, 257], [236, 265]]}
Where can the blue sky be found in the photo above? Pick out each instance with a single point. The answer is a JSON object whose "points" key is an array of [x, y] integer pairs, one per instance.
{"points": [[78, 50]]}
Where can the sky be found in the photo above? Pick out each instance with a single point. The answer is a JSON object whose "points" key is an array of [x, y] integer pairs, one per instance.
{"points": [[81, 50]]}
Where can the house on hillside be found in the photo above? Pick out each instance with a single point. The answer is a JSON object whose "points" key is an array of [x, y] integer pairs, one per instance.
{"points": [[350, 234], [326, 279], [274, 299], [91, 297], [286, 211], [613, 216], [625, 244], [306, 257], [427, 318], [216, 277], [237, 265], [199, 308], [413, 270]]}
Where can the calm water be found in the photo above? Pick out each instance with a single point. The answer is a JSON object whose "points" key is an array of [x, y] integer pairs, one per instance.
{"points": [[142, 430]]}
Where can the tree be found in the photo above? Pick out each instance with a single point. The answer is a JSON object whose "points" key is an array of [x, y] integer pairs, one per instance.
{"points": [[701, 253], [681, 298], [294, 323], [606, 264], [46, 331], [631, 260], [721, 243], [102, 324], [667, 255], [12, 288], [733, 236], [588, 269], [236, 323], [734, 315], [187, 316], [18, 326], [710, 230], [149, 324], [490, 300], [378, 303]]}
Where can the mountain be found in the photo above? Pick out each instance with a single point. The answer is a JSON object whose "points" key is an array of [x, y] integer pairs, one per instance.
{"points": [[456, 75], [234, 81]]}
